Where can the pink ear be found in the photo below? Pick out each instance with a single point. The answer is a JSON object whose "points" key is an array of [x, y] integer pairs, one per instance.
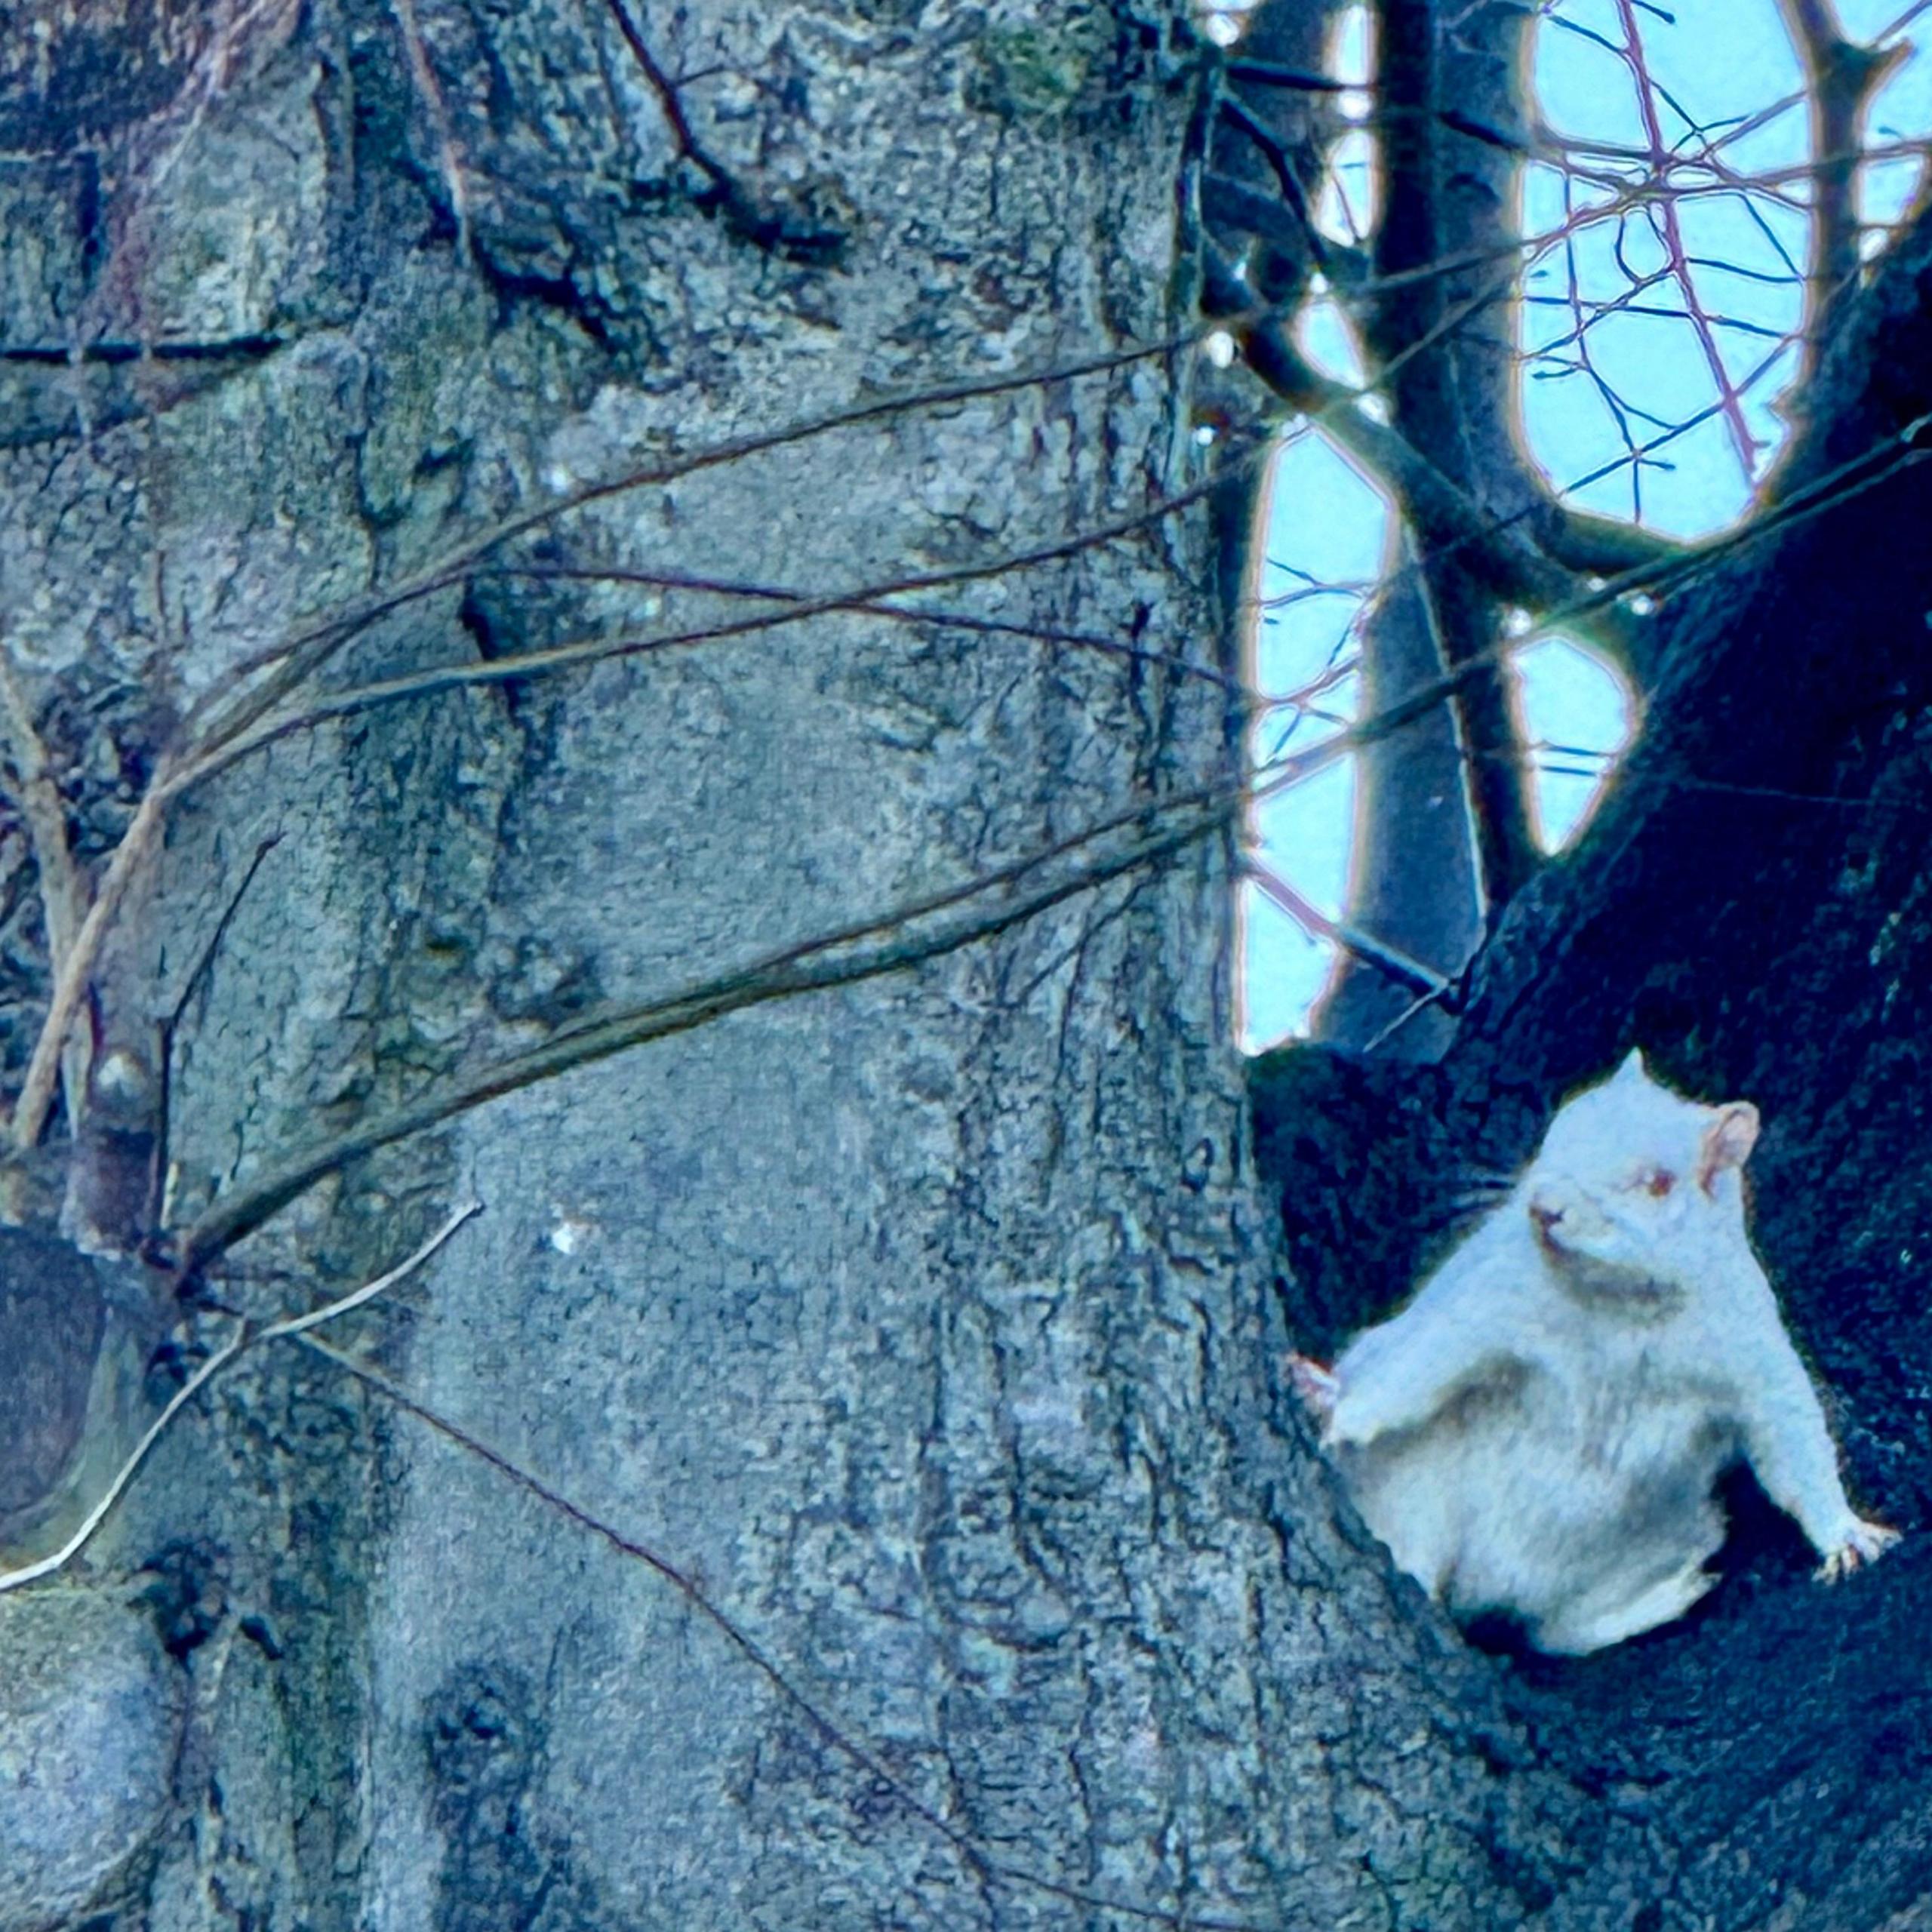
{"points": [[1727, 1141]]}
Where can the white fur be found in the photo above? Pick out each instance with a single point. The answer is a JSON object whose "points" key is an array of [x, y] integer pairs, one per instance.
{"points": [[1539, 1431]]}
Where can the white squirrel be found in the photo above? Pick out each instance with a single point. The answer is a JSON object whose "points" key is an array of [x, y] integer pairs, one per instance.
{"points": [[1538, 1433]]}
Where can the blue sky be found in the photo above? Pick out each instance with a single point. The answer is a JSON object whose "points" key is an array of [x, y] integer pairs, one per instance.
{"points": [[1642, 373]]}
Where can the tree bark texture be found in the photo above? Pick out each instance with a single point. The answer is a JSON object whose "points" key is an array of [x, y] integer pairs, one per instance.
{"points": [[921, 1324]]}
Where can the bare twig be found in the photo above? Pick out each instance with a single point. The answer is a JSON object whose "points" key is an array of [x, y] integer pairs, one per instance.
{"points": [[281, 670], [471, 675], [951, 919], [936, 616], [70, 983], [863, 1758], [169, 1031], [47, 1566], [60, 889], [1671, 234], [1444, 515], [244, 1337], [907, 935], [689, 147], [1389, 961], [285, 665]]}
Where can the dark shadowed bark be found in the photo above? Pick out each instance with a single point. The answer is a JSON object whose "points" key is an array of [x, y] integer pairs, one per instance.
{"points": [[1412, 863]]}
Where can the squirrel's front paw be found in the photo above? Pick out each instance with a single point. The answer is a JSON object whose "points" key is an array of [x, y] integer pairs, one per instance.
{"points": [[1344, 1416], [1863, 1542], [1315, 1384]]}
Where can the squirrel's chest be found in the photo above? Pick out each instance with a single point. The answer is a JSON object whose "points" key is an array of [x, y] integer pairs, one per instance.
{"points": [[1627, 1408]]}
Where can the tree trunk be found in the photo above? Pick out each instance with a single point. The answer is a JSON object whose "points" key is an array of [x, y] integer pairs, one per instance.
{"points": [[842, 1478], [919, 1323]]}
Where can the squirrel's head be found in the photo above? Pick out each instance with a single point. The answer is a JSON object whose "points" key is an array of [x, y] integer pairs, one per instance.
{"points": [[1633, 1182]]}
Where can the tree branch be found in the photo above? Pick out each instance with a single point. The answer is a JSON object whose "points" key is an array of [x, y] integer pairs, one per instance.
{"points": [[1390, 961], [255, 687], [251, 691], [1450, 188], [1840, 78], [1448, 522], [243, 1337], [925, 928], [63, 896]]}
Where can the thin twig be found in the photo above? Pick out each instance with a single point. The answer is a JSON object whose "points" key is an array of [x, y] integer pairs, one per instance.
{"points": [[840, 958], [231, 737], [289, 663], [1451, 519], [937, 617], [578, 651], [689, 147], [70, 983], [32, 1573], [906, 936], [1391, 961], [244, 1337], [864, 1758], [1672, 238], [170, 1029]]}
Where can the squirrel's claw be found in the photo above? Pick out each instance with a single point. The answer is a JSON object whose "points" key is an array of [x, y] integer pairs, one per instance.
{"points": [[1863, 1542], [1315, 1383]]}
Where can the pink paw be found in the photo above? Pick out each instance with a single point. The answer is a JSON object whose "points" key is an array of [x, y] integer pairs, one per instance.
{"points": [[1314, 1384], [1863, 1542]]}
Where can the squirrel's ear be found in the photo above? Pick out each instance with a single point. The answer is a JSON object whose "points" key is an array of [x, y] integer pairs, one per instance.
{"points": [[1727, 1141], [1633, 1067]]}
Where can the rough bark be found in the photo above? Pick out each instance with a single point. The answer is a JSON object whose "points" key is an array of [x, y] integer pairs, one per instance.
{"points": [[922, 1323]]}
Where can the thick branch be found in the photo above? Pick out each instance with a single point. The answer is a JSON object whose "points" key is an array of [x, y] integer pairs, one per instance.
{"points": [[1840, 79], [1449, 522], [1412, 865], [1785, 656], [1449, 190], [1272, 141], [1603, 545], [1752, 905]]}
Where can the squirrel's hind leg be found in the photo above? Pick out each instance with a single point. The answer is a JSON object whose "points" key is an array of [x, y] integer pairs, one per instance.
{"points": [[1597, 1621]]}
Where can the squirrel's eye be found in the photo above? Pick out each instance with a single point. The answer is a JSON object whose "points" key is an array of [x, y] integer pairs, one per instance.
{"points": [[1657, 1182]]}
